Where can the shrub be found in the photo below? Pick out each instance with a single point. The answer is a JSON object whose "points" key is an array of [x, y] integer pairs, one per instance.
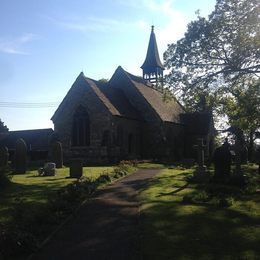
{"points": [[103, 178]]}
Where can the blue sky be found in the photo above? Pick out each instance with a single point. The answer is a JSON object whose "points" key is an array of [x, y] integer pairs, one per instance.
{"points": [[45, 44]]}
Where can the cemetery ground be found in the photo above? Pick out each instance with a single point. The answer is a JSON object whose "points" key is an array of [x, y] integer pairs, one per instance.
{"points": [[179, 219], [186, 220], [32, 206]]}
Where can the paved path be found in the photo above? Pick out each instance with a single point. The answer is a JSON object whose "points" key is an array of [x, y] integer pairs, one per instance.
{"points": [[104, 228]]}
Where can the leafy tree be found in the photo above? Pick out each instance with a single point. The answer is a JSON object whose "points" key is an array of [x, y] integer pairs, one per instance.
{"points": [[242, 107], [103, 80], [215, 52], [216, 65], [3, 128]]}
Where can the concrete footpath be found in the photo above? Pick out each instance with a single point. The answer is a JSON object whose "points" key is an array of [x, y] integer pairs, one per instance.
{"points": [[106, 227]]}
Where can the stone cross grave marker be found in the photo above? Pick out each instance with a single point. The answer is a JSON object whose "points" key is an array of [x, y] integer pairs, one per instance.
{"points": [[200, 156], [200, 151]]}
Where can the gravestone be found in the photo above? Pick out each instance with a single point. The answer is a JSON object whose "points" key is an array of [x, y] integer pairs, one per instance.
{"points": [[49, 169], [222, 161], [76, 168], [200, 155], [200, 173]]}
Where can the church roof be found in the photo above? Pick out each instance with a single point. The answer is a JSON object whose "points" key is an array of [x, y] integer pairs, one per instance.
{"points": [[168, 110], [116, 99], [120, 102], [152, 59], [113, 99]]}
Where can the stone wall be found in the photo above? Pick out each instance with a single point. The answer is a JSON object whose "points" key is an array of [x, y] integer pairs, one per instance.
{"points": [[163, 141]]}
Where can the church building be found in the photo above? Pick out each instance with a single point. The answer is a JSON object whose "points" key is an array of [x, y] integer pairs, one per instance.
{"points": [[128, 117]]}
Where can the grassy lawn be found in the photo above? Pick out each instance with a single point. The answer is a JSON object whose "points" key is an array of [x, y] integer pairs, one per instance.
{"points": [[34, 190], [173, 229], [31, 207]]}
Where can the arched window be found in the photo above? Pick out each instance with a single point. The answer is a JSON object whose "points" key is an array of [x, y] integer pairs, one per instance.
{"points": [[80, 129]]}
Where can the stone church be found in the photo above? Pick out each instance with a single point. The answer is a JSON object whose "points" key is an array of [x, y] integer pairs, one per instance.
{"points": [[129, 117]]}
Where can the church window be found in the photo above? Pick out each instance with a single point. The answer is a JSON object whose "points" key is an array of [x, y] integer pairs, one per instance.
{"points": [[81, 129]]}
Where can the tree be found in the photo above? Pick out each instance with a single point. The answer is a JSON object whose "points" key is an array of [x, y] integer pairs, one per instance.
{"points": [[242, 107], [215, 52], [3, 128]]}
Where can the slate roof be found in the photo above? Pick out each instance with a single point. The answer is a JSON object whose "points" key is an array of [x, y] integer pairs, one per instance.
{"points": [[116, 100], [197, 123], [96, 87], [168, 110], [120, 102], [37, 139]]}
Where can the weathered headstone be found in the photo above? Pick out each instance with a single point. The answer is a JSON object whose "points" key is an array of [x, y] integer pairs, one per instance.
{"points": [[57, 154], [222, 161], [76, 168], [49, 169]]}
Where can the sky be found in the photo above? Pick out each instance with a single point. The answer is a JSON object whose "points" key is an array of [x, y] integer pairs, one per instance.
{"points": [[45, 44]]}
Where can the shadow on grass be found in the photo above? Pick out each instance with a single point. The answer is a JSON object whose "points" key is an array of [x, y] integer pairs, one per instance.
{"points": [[174, 230], [173, 192]]}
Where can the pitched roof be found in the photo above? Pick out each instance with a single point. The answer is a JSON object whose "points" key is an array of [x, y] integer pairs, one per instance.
{"points": [[152, 59], [113, 99], [94, 85], [120, 102], [117, 101], [36, 139], [167, 110]]}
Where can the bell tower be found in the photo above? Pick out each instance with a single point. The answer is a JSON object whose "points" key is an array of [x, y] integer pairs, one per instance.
{"points": [[152, 66]]}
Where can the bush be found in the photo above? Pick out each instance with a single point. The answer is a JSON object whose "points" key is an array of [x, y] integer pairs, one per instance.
{"points": [[103, 178]]}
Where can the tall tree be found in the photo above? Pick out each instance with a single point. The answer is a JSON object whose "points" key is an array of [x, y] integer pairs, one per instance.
{"points": [[242, 107], [215, 52]]}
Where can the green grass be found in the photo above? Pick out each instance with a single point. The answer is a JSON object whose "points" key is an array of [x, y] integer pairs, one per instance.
{"points": [[150, 165], [33, 206], [175, 230], [34, 190]]}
